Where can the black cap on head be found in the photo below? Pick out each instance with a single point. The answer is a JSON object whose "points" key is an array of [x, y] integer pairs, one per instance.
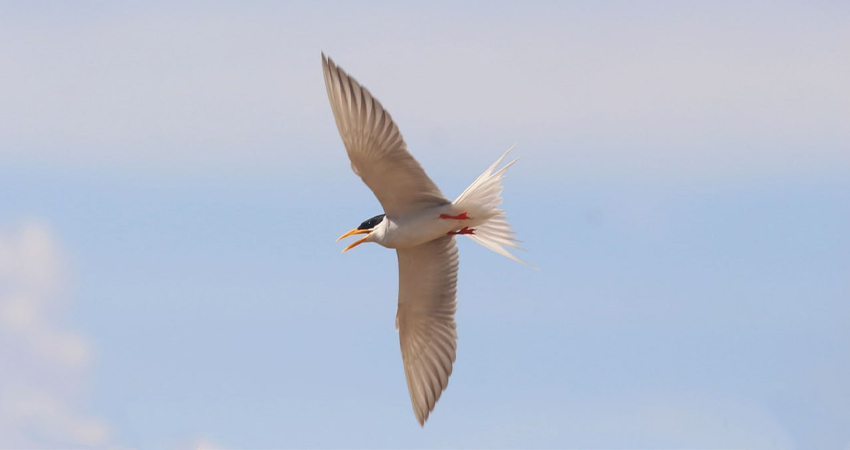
{"points": [[371, 223]]}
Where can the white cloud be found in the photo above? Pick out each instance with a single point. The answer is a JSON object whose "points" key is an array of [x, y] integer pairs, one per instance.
{"points": [[46, 366]]}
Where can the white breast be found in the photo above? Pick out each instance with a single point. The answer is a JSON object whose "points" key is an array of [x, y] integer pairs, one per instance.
{"points": [[419, 227]]}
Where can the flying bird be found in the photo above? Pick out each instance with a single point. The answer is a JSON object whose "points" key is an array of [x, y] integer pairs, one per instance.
{"points": [[420, 223]]}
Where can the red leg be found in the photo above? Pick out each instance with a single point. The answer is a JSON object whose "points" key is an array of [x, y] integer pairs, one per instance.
{"points": [[464, 230], [461, 216]]}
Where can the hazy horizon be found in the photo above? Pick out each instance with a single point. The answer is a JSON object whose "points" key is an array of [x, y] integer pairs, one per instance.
{"points": [[175, 183]]}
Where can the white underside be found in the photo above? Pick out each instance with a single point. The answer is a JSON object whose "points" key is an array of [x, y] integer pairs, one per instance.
{"points": [[422, 226], [480, 201]]}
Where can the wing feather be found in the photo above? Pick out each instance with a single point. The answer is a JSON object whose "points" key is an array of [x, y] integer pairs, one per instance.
{"points": [[376, 148], [426, 324]]}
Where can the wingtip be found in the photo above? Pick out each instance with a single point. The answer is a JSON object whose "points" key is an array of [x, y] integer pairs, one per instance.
{"points": [[327, 61]]}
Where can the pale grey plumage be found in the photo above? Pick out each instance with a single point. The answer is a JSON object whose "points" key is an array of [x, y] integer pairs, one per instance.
{"points": [[376, 148], [427, 272], [426, 319], [420, 223]]}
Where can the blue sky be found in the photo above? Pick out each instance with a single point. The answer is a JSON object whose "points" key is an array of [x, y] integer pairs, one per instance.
{"points": [[169, 276]]}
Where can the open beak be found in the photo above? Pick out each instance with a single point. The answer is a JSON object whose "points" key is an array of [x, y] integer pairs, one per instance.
{"points": [[352, 233], [357, 242]]}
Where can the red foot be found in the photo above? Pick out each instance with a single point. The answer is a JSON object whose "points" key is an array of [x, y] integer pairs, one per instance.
{"points": [[464, 230], [461, 216]]}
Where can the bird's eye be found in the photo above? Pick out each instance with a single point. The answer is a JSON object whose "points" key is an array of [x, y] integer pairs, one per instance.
{"points": [[371, 223]]}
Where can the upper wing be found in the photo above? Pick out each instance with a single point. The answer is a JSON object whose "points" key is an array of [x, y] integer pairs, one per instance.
{"points": [[426, 319], [376, 148]]}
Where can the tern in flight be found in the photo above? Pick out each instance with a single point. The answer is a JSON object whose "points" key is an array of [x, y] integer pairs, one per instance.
{"points": [[421, 224]]}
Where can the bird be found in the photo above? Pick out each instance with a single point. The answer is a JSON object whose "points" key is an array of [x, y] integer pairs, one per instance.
{"points": [[421, 224]]}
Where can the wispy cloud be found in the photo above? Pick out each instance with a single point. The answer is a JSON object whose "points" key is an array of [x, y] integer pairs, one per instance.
{"points": [[46, 366]]}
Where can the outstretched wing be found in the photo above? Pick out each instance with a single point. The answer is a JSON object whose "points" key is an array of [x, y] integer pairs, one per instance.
{"points": [[426, 319], [376, 148]]}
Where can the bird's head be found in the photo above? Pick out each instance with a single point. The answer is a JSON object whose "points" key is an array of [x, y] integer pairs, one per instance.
{"points": [[367, 227]]}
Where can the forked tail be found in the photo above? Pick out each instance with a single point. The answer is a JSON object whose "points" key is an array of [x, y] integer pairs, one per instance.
{"points": [[484, 196]]}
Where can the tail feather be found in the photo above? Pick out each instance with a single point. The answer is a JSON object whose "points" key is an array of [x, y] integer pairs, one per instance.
{"points": [[484, 195]]}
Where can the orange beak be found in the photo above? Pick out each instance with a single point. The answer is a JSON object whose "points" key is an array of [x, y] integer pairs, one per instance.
{"points": [[357, 242]]}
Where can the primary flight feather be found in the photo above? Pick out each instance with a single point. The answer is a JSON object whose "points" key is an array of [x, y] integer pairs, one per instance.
{"points": [[421, 224]]}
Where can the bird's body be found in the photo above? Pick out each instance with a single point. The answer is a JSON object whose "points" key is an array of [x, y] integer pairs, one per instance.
{"points": [[421, 224]]}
